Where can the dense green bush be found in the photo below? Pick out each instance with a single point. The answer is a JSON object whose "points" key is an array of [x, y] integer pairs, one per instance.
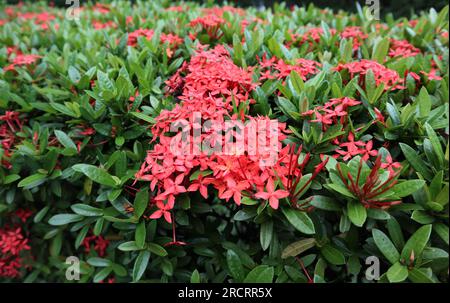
{"points": [[86, 169]]}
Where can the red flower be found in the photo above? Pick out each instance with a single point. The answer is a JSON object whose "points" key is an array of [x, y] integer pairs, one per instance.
{"points": [[21, 59], [102, 25], [163, 210], [314, 34], [101, 8], [12, 241], [355, 33], [23, 214], [133, 36], [99, 243], [175, 9], [201, 184], [211, 24], [271, 194], [431, 75], [12, 245], [391, 165], [356, 148], [332, 112], [233, 189], [402, 48]]}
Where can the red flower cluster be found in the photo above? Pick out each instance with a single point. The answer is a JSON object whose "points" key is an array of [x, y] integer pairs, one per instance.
{"points": [[211, 24], [332, 112], [23, 214], [313, 35], [176, 8], [41, 19], [383, 75], [278, 69], [133, 36], [102, 25], [355, 148], [12, 124], [219, 11], [431, 75], [12, 244], [402, 48], [355, 33], [21, 59], [99, 244], [210, 86], [101, 8], [172, 40]]}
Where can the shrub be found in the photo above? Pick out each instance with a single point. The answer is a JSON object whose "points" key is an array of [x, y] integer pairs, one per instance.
{"points": [[95, 164]]}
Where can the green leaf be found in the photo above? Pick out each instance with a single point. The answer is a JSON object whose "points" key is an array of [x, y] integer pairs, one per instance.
{"points": [[235, 267], [157, 249], [417, 242], [32, 181], [129, 246], [418, 276], [96, 174], [141, 202], [11, 178], [325, 203], [424, 103], [144, 117], [395, 232], [397, 273], [260, 274], [357, 213], [102, 274], [287, 106], [65, 140], [296, 248], [63, 219], [140, 265], [386, 246], [340, 189], [265, 234], [300, 220], [41, 214], [416, 162], [99, 262], [140, 234], [442, 230], [86, 210], [432, 136], [195, 277], [244, 214], [332, 255], [297, 82], [381, 50], [407, 188]]}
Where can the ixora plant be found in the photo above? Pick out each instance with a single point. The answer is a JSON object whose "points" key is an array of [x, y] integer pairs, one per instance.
{"points": [[162, 142]]}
